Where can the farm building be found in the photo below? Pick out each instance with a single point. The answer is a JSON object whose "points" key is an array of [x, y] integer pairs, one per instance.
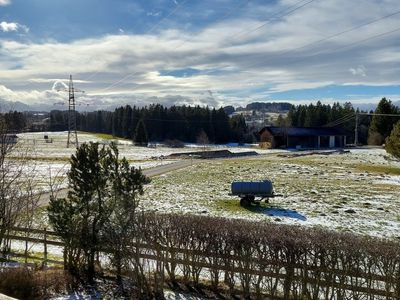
{"points": [[303, 137]]}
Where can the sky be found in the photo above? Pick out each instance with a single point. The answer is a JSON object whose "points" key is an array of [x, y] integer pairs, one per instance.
{"points": [[209, 52]]}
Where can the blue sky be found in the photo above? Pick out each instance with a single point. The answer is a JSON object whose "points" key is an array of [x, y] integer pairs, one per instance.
{"points": [[211, 52]]}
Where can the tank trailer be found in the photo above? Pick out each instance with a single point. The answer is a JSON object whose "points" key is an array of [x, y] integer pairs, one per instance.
{"points": [[248, 191]]}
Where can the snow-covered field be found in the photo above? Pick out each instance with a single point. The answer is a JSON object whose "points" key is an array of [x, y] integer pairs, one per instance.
{"points": [[357, 191]]}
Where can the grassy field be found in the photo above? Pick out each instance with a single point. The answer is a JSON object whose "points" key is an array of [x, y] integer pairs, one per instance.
{"points": [[357, 192]]}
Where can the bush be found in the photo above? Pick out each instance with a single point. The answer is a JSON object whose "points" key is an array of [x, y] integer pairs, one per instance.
{"points": [[18, 283], [23, 283], [265, 258], [375, 138], [393, 141]]}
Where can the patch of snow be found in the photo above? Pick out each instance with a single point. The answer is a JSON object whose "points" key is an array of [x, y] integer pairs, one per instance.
{"points": [[395, 180]]}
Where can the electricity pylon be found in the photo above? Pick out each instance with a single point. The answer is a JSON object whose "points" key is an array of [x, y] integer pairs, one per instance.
{"points": [[72, 134]]}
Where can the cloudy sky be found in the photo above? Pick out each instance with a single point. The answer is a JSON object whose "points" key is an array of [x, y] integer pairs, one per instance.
{"points": [[208, 52]]}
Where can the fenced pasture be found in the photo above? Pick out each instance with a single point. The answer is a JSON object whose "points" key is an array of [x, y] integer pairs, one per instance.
{"points": [[257, 260]]}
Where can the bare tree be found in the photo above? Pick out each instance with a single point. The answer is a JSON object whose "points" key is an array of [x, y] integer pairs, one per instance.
{"points": [[17, 198], [202, 139]]}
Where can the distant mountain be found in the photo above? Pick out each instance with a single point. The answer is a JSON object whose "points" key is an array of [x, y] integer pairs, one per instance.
{"points": [[365, 106], [6, 106], [268, 106], [372, 106], [229, 109]]}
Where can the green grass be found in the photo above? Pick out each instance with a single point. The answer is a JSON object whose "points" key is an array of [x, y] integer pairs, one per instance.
{"points": [[35, 257], [379, 169], [232, 206], [39, 158], [104, 136]]}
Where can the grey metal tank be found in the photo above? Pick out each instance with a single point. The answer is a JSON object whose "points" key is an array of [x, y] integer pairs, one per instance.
{"points": [[256, 188]]}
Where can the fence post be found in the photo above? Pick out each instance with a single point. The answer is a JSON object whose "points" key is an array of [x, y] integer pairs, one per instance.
{"points": [[26, 248], [45, 248]]}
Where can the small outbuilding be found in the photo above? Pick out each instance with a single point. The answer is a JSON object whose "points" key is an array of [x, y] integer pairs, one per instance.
{"points": [[303, 137]]}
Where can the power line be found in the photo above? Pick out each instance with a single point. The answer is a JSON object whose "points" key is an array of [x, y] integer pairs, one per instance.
{"points": [[151, 29], [339, 33], [368, 114], [269, 20], [334, 36], [377, 114], [241, 33], [341, 120], [169, 72]]}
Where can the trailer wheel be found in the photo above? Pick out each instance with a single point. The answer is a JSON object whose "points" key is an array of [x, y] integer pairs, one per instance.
{"points": [[245, 201]]}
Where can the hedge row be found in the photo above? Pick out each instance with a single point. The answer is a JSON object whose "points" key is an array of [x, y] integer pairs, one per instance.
{"points": [[261, 259]]}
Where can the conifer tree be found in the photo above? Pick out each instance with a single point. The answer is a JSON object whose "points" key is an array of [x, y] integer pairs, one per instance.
{"points": [[141, 138], [381, 125], [100, 187], [392, 144]]}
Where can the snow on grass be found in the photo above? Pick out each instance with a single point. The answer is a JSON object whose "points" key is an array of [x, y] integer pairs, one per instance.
{"points": [[356, 191], [51, 154], [319, 190]]}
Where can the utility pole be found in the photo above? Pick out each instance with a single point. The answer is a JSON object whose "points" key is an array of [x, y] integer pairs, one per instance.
{"points": [[356, 131], [72, 135]]}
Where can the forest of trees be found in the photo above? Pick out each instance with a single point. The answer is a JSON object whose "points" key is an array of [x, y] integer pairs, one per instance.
{"points": [[156, 123], [318, 115], [14, 121], [269, 106], [314, 115], [372, 129], [182, 123]]}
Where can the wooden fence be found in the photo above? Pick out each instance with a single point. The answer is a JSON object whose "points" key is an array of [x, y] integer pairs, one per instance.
{"points": [[269, 277], [34, 236]]}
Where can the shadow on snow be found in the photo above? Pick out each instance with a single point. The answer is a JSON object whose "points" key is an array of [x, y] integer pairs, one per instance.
{"points": [[276, 212]]}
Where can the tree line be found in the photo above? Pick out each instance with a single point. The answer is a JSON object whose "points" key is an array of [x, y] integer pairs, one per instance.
{"points": [[182, 123], [374, 127], [14, 121]]}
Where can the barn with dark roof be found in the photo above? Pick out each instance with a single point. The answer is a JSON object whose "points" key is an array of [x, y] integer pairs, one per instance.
{"points": [[303, 137]]}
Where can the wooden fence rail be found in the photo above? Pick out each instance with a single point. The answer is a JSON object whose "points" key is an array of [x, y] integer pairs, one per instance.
{"points": [[379, 287]]}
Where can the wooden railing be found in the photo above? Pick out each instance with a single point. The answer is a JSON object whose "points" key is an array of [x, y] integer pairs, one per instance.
{"points": [[268, 274]]}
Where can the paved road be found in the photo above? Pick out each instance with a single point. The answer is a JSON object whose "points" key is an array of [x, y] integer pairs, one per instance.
{"points": [[151, 172]]}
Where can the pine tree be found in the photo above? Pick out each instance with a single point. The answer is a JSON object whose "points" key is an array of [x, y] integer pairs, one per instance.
{"points": [[392, 145], [100, 184], [381, 126], [141, 138]]}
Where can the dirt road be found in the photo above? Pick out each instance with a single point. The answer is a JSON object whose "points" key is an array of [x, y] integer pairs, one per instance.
{"points": [[151, 172]]}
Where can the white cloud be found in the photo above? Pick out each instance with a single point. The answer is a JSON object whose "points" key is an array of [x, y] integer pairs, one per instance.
{"points": [[154, 14], [359, 71], [52, 80], [5, 2], [12, 26], [231, 64]]}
